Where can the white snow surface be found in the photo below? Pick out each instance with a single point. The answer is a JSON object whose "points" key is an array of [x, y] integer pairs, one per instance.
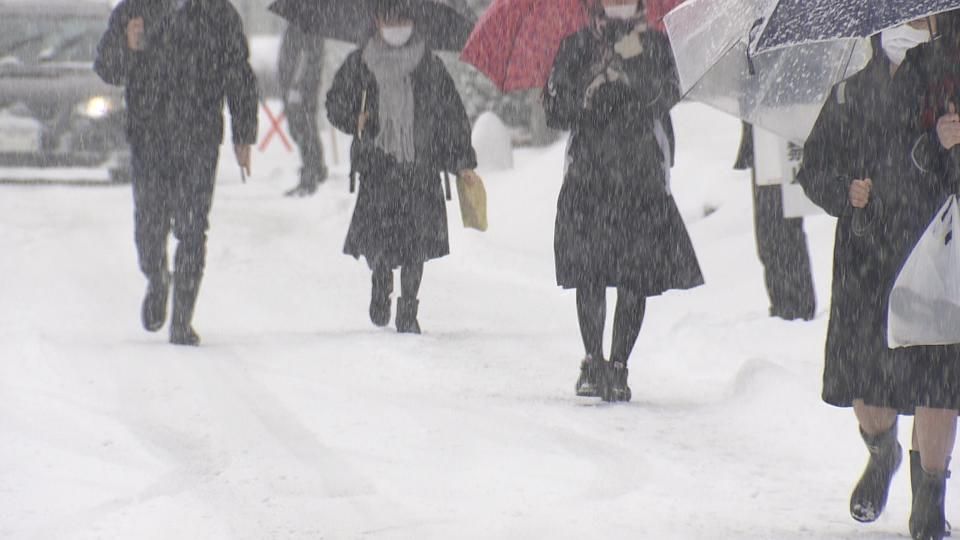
{"points": [[298, 419]]}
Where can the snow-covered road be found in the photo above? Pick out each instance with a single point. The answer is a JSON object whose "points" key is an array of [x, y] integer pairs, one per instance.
{"points": [[298, 419]]}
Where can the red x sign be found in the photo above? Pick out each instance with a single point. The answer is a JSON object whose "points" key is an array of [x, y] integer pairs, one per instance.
{"points": [[276, 126]]}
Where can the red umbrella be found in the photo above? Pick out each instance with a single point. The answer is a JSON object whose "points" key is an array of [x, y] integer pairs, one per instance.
{"points": [[515, 41]]}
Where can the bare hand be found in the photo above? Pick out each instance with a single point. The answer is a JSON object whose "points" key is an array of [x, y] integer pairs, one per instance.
{"points": [[860, 192], [948, 128], [469, 176], [362, 122], [135, 34], [243, 152]]}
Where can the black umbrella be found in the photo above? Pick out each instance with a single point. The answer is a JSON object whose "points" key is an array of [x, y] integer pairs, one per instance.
{"points": [[444, 24]]}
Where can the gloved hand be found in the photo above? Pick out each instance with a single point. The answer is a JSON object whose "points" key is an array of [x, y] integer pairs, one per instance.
{"points": [[608, 99]]}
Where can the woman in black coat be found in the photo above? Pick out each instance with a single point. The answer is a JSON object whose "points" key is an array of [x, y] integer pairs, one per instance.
{"points": [[859, 167], [613, 85], [409, 125]]}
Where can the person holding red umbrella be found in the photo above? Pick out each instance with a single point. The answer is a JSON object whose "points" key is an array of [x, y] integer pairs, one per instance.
{"points": [[612, 85]]}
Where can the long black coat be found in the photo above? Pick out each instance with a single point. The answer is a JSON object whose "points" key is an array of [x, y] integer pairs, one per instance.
{"points": [[195, 58], [401, 216], [867, 129], [617, 223]]}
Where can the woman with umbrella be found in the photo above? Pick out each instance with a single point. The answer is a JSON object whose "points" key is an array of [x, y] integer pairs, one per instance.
{"points": [[859, 166], [613, 84], [394, 95]]}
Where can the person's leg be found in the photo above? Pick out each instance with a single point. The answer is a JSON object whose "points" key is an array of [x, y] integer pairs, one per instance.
{"points": [[312, 147], [782, 249], [407, 305], [194, 184], [382, 288], [936, 432], [592, 314], [627, 322], [151, 229], [626, 328], [878, 428]]}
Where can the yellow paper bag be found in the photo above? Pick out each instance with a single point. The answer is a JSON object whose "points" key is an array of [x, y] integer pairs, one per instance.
{"points": [[473, 204]]}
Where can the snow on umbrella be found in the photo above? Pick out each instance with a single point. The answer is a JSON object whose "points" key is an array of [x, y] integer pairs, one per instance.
{"points": [[796, 22], [445, 24], [781, 91], [515, 41]]}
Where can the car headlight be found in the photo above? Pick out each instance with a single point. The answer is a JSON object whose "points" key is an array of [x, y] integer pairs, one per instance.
{"points": [[97, 107]]}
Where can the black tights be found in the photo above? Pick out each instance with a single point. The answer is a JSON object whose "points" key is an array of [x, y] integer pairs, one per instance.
{"points": [[592, 313], [410, 277]]}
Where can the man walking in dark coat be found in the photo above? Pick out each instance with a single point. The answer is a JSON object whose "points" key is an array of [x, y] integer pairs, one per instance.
{"points": [[179, 61], [300, 68], [781, 245]]}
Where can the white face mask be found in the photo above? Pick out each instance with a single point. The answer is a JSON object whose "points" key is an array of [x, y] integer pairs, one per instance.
{"points": [[397, 36], [623, 11], [900, 39]]}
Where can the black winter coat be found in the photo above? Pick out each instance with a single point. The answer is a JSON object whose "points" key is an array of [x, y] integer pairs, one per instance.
{"points": [[617, 223], [867, 129], [401, 216], [195, 58], [300, 63]]}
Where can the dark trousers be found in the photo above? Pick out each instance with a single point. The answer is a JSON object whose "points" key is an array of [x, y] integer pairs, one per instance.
{"points": [[173, 191], [782, 246], [592, 314], [305, 130]]}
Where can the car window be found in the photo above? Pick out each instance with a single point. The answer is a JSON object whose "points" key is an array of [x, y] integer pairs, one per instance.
{"points": [[39, 38]]}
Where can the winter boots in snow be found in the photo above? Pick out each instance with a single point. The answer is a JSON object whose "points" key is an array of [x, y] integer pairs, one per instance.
{"points": [[927, 517], [153, 313], [591, 374], [380, 298], [614, 386], [407, 316], [310, 180], [870, 495], [184, 300]]}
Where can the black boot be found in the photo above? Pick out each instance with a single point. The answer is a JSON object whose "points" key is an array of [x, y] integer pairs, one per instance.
{"points": [[870, 495], [407, 316], [591, 373], [928, 515], [380, 297], [614, 383], [153, 313], [184, 300]]}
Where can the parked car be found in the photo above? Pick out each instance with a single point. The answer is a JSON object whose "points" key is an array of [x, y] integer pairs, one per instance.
{"points": [[54, 110]]}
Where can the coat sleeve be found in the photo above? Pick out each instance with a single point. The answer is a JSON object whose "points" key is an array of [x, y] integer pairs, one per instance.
{"points": [[821, 175], [346, 95], [454, 133], [241, 83], [113, 57], [564, 92]]}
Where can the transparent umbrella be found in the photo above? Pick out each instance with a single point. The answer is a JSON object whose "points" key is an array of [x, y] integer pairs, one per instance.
{"points": [[781, 91]]}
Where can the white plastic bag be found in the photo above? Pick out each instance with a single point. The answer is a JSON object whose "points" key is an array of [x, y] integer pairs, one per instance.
{"points": [[925, 301]]}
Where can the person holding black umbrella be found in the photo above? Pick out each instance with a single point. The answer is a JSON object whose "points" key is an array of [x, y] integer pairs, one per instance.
{"points": [[613, 84], [860, 165], [179, 60], [409, 125]]}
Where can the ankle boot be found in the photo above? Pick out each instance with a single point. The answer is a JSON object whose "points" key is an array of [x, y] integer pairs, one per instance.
{"points": [[153, 312], [591, 373], [407, 316], [870, 495], [382, 286], [927, 517], [614, 386], [184, 300]]}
